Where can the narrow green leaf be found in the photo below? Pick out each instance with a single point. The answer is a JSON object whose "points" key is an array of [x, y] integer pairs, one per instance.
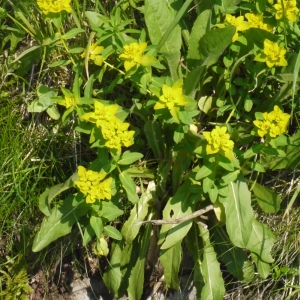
{"points": [[113, 276], [129, 186], [232, 176], [72, 33], [214, 288], [268, 200], [138, 213], [171, 259], [155, 138], [239, 212], [97, 225], [204, 172], [128, 158]]}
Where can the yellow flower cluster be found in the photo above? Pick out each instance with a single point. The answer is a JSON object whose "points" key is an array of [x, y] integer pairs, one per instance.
{"points": [[272, 54], [54, 6], [93, 185], [94, 54], [133, 56], [289, 10], [239, 23], [273, 123], [256, 21], [113, 130], [218, 140]]}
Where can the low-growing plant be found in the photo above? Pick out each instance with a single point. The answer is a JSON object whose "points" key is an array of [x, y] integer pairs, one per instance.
{"points": [[182, 117]]}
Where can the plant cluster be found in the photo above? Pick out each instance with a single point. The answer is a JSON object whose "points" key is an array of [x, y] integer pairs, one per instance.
{"points": [[183, 118]]}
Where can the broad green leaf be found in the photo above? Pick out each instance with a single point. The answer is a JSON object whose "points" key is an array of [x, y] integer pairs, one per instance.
{"points": [[261, 241], [112, 276], [268, 200], [89, 233], [239, 212], [53, 112], [109, 211], [138, 213], [112, 232], [159, 16], [170, 260], [263, 268], [204, 172], [205, 103], [46, 197], [213, 193], [155, 138], [97, 225], [72, 33], [129, 186], [210, 268], [235, 259], [193, 80], [200, 27], [208, 182], [60, 221], [128, 158], [213, 44], [180, 205], [232, 176]]}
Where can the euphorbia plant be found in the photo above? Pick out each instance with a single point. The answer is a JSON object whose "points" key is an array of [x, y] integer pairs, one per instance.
{"points": [[197, 118]]}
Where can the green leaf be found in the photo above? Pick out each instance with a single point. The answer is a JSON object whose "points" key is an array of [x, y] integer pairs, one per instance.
{"points": [[109, 211], [261, 241], [200, 27], [192, 81], [138, 213], [113, 276], [60, 221], [112, 232], [239, 212], [210, 268], [97, 225], [180, 205], [263, 268], [128, 158], [129, 186], [213, 44], [170, 260], [208, 182], [232, 176], [268, 200], [213, 193], [59, 63], [235, 259], [89, 233], [72, 33], [53, 112], [155, 138]]}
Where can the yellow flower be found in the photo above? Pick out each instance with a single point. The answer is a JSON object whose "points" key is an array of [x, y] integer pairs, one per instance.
{"points": [[93, 185], [218, 140], [116, 134], [133, 56], [101, 113], [171, 98], [273, 123], [101, 247], [272, 54], [289, 10], [94, 54], [256, 21], [54, 6], [239, 24]]}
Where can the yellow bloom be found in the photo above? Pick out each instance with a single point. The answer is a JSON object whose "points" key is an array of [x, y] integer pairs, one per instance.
{"points": [[116, 134], [239, 24], [133, 56], [273, 123], [272, 54], [289, 10], [218, 140], [256, 21], [101, 113], [93, 185], [54, 6], [101, 247], [94, 54]]}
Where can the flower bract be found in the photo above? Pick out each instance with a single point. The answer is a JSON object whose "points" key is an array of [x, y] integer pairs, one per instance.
{"points": [[273, 123], [289, 10], [94, 54], [273, 54], [239, 24], [218, 140], [93, 185], [54, 6], [256, 21]]}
